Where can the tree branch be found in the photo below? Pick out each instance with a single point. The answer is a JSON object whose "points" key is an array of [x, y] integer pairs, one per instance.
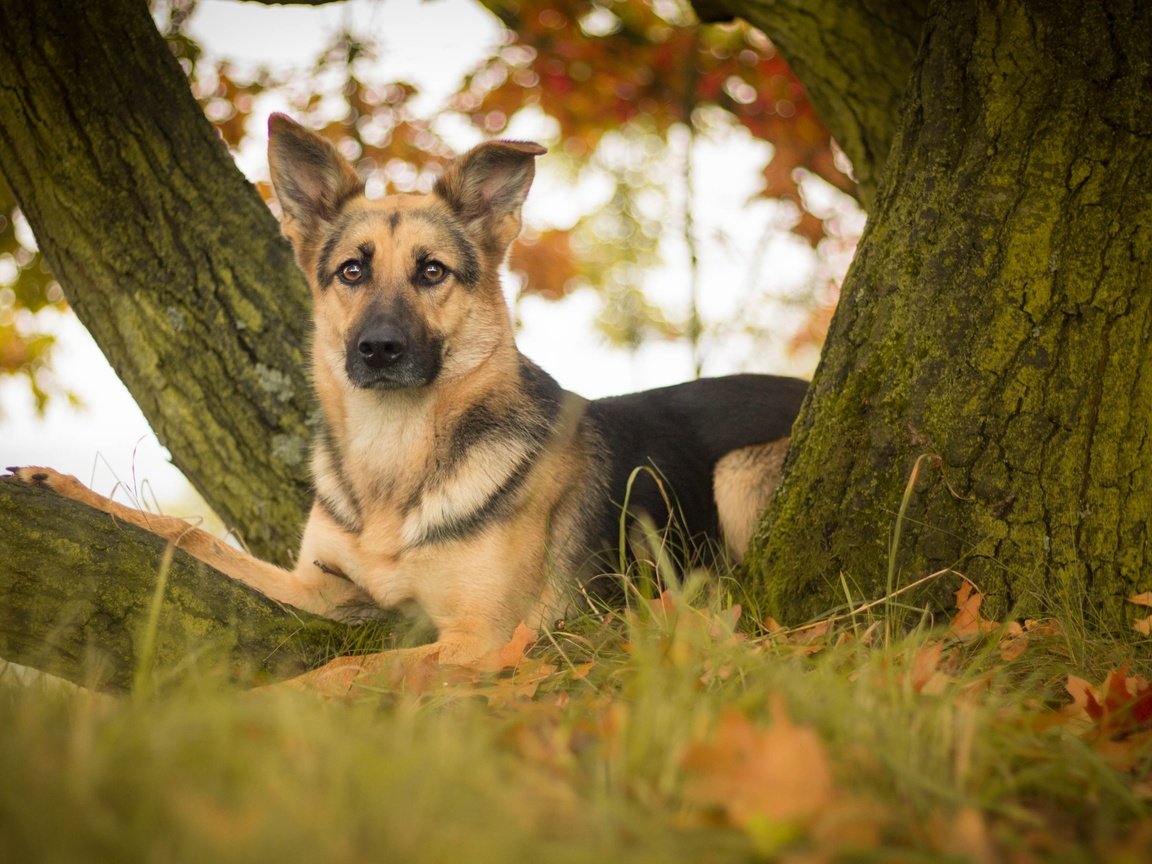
{"points": [[854, 57], [164, 250], [75, 592]]}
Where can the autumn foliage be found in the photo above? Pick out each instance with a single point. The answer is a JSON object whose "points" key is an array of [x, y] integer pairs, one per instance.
{"points": [[637, 68]]}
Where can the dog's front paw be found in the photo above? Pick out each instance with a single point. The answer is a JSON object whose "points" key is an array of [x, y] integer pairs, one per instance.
{"points": [[61, 484], [34, 476]]}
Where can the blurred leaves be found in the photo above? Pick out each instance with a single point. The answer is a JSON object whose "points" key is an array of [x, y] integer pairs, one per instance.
{"points": [[596, 67], [615, 78], [26, 287], [639, 69]]}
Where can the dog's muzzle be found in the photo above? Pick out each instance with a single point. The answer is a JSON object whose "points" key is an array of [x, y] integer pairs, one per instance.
{"points": [[385, 354]]}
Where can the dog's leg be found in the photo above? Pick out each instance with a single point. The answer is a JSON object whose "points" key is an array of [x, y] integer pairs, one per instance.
{"points": [[743, 483], [345, 676], [309, 587]]}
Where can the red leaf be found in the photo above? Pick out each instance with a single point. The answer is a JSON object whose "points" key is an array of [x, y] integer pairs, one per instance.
{"points": [[1120, 707]]}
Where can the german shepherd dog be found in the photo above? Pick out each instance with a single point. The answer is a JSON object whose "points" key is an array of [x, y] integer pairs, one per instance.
{"points": [[451, 471]]}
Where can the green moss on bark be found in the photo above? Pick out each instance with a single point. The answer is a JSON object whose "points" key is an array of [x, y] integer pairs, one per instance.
{"points": [[165, 251], [997, 316], [76, 587]]}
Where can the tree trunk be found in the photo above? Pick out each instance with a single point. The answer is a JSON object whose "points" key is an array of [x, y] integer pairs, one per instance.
{"points": [[997, 317], [164, 250], [76, 588], [854, 59]]}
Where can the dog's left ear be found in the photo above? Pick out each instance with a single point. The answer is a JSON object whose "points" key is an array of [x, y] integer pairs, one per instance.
{"points": [[312, 180], [488, 184]]}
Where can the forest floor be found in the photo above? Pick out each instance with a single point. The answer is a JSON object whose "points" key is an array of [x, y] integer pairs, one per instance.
{"points": [[674, 731]]}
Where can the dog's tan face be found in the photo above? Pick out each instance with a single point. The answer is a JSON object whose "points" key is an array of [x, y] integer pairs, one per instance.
{"points": [[406, 288]]}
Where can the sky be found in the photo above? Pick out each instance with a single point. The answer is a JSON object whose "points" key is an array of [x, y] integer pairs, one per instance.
{"points": [[109, 445]]}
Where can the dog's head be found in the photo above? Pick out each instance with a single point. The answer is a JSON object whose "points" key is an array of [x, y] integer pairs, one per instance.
{"points": [[406, 287]]}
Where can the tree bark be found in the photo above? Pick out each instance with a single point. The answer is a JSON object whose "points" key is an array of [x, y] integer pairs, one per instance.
{"points": [[164, 250], [76, 588], [997, 317], [854, 59]]}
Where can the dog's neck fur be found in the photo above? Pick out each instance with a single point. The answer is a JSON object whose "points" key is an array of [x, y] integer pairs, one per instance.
{"points": [[422, 434]]}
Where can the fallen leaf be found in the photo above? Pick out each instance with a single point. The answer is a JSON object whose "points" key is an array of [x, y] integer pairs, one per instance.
{"points": [[1120, 711], [664, 605], [1014, 642], [1078, 689], [924, 664], [1144, 625], [580, 671], [1124, 706], [521, 685], [507, 656], [780, 774], [967, 623]]}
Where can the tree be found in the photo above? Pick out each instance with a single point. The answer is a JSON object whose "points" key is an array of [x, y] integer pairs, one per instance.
{"points": [[157, 239], [995, 322], [994, 328]]}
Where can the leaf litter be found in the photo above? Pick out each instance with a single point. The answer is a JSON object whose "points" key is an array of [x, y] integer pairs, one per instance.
{"points": [[973, 741], [781, 782]]}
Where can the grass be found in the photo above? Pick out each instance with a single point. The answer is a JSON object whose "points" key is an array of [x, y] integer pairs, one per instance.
{"points": [[662, 734]]}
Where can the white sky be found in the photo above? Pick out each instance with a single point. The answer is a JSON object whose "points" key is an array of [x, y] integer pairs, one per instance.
{"points": [[433, 44]]}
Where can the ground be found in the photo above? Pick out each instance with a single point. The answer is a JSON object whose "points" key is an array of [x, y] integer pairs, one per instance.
{"points": [[679, 730]]}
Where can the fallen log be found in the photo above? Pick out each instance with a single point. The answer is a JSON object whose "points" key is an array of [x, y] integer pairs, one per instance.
{"points": [[77, 590]]}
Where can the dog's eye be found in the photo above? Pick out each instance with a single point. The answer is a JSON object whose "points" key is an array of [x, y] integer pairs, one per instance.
{"points": [[351, 272], [432, 273]]}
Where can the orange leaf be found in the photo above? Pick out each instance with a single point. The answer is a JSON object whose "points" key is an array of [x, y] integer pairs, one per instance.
{"points": [[1144, 625], [968, 624], [1078, 689], [510, 654], [546, 262], [1014, 643], [663, 606], [781, 773], [924, 666]]}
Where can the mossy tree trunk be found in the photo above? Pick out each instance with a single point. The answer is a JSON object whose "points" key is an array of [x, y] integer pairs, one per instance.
{"points": [[998, 316], [165, 252], [77, 591]]}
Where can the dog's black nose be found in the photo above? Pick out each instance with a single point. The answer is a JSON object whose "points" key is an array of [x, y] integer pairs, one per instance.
{"points": [[381, 347]]}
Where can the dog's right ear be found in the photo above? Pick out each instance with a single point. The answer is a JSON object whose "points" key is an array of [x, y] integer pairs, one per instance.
{"points": [[312, 180]]}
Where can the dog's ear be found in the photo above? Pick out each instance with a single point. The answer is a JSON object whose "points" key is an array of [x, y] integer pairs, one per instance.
{"points": [[488, 184], [312, 180]]}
